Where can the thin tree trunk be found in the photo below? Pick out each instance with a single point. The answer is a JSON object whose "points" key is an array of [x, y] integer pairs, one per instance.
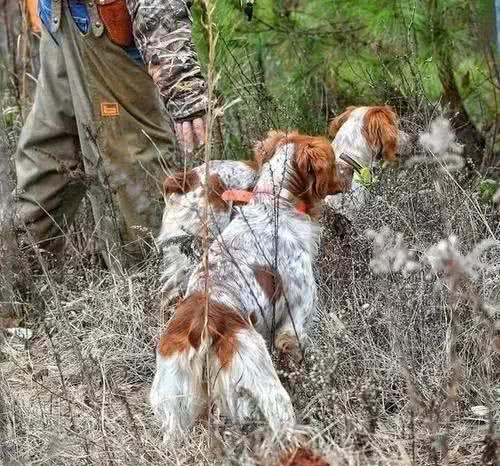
{"points": [[8, 245], [467, 132]]}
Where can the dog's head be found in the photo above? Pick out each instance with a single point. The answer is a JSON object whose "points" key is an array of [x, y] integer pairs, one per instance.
{"points": [[379, 127], [303, 165], [314, 163]]}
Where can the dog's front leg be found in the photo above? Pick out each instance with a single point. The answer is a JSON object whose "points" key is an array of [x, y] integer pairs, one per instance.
{"points": [[300, 307]]}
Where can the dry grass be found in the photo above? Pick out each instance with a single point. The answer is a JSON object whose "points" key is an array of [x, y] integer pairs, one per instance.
{"points": [[395, 370], [395, 366]]}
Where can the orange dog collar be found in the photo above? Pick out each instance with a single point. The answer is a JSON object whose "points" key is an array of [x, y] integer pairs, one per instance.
{"points": [[237, 195], [241, 196]]}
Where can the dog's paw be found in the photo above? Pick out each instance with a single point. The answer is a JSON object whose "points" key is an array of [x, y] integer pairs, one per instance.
{"points": [[288, 345]]}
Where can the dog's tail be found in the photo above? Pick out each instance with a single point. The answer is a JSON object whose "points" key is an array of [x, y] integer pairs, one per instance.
{"points": [[243, 382]]}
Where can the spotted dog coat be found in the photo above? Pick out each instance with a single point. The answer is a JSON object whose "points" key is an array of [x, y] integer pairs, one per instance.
{"points": [[260, 289], [181, 229], [367, 135]]}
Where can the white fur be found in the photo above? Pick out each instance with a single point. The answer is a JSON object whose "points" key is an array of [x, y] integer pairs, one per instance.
{"points": [[177, 394], [183, 217], [269, 232], [350, 140], [251, 387]]}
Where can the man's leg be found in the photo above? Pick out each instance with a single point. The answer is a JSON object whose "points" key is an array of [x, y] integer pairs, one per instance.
{"points": [[48, 164], [124, 133]]}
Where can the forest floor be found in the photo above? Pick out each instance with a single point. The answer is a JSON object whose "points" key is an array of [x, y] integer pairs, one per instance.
{"points": [[402, 366]]}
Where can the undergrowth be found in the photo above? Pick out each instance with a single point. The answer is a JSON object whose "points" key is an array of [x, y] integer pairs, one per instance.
{"points": [[402, 364]]}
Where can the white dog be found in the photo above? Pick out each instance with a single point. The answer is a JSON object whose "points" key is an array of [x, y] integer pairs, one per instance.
{"points": [[363, 136], [259, 286], [182, 223]]}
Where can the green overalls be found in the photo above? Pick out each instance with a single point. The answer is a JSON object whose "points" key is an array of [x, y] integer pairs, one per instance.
{"points": [[97, 127]]}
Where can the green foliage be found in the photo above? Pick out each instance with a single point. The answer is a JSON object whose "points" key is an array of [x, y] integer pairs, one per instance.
{"points": [[487, 189], [298, 62], [365, 178]]}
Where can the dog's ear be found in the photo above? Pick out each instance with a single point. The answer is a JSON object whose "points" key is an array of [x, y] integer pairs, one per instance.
{"points": [[265, 149], [182, 182], [381, 131], [339, 120], [315, 159]]}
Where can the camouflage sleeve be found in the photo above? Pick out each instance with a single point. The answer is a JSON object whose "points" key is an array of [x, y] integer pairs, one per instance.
{"points": [[163, 34]]}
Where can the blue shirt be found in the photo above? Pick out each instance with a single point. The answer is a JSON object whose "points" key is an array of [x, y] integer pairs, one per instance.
{"points": [[80, 16]]}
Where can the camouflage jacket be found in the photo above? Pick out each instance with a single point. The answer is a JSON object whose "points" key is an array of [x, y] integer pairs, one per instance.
{"points": [[163, 34]]}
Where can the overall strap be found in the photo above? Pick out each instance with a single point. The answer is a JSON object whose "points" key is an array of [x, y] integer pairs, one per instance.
{"points": [[56, 15], [95, 21]]}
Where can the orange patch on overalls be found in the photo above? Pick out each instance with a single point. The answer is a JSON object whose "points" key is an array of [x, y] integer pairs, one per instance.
{"points": [[109, 109]]}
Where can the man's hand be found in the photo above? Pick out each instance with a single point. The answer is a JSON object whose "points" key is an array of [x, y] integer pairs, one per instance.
{"points": [[191, 134]]}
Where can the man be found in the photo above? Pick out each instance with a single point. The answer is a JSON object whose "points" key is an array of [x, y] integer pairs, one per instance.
{"points": [[98, 123]]}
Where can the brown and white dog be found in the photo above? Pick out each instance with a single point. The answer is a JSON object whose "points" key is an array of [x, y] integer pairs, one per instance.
{"points": [[182, 223], [363, 136], [259, 288], [183, 216]]}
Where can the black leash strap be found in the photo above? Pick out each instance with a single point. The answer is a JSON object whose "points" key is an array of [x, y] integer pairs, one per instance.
{"points": [[350, 161]]}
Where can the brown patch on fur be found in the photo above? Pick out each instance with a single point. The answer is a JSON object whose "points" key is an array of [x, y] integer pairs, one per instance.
{"points": [[270, 281], [182, 182], [264, 150], [380, 129], [216, 188], [314, 175], [187, 327], [302, 457], [253, 164], [339, 120], [314, 156]]}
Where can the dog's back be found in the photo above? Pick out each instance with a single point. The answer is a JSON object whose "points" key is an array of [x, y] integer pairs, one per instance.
{"points": [[183, 217], [258, 282], [261, 264]]}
